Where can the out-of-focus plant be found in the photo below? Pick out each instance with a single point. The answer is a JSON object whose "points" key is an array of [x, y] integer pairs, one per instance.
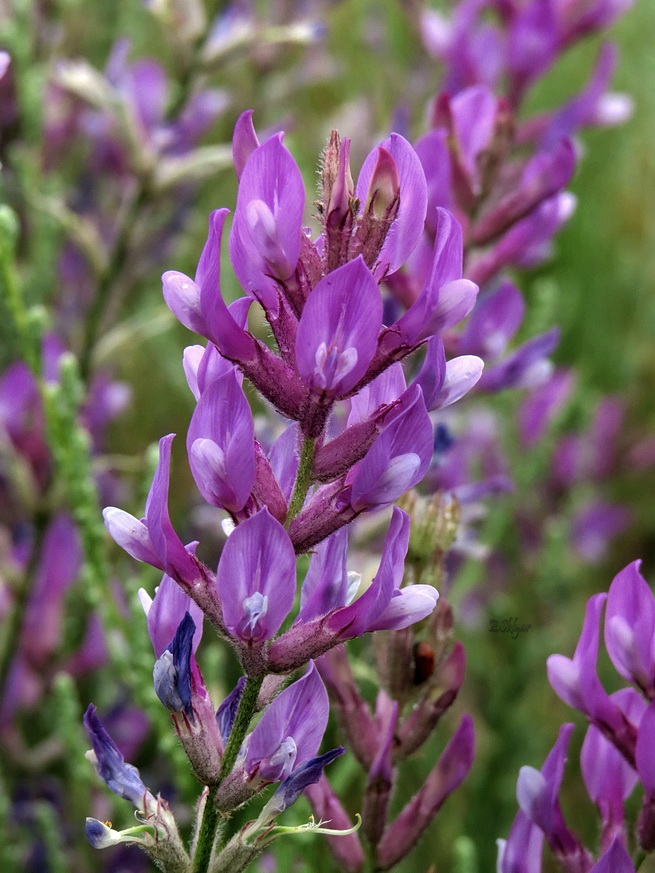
{"points": [[104, 177]]}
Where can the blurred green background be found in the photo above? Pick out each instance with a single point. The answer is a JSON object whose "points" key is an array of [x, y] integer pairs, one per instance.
{"points": [[599, 288]]}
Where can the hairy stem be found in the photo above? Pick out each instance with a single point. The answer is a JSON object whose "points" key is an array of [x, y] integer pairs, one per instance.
{"points": [[303, 479], [210, 815]]}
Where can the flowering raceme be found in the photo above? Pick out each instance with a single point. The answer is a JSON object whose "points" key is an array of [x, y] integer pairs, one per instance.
{"points": [[359, 436], [617, 752], [323, 304]]}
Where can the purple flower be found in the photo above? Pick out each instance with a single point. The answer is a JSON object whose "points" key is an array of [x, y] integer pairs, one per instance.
{"points": [[327, 585], [444, 382], [537, 793], [407, 226], [166, 610], [397, 460], [220, 444], [493, 323], [446, 298], [576, 682], [384, 605], [472, 51], [594, 526], [290, 731], [522, 851], [172, 673], [527, 242], [630, 628], [338, 330], [152, 539], [265, 237], [293, 786], [204, 365], [256, 578], [645, 756], [592, 106], [244, 141], [227, 711], [542, 405], [608, 778], [527, 367], [532, 43], [123, 779], [645, 762]]}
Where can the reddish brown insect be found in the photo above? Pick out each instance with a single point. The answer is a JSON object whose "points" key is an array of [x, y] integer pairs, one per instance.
{"points": [[423, 662]]}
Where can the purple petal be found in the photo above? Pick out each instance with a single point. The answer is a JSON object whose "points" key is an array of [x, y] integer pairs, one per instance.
{"points": [[384, 389], [567, 676], [227, 711], [542, 405], [220, 444], [537, 791], [202, 366], [527, 367], [630, 626], [462, 374], [407, 228], [608, 777], [265, 236], [473, 114], [645, 750], [168, 547], [406, 607], [432, 150], [223, 325], [165, 613], [121, 778], [293, 786], [326, 583], [182, 297], [132, 535], [244, 141], [594, 526], [291, 729], [172, 671], [433, 371], [59, 565], [398, 458], [256, 578], [356, 619], [533, 40], [283, 458], [545, 174], [494, 321], [522, 851], [338, 330], [446, 298]]}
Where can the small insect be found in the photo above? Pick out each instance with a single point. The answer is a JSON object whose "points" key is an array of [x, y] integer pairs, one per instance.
{"points": [[423, 662]]}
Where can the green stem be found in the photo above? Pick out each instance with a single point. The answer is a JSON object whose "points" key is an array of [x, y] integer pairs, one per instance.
{"points": [[207, 833], [210, 815], [303, 479], [245, 712]]}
